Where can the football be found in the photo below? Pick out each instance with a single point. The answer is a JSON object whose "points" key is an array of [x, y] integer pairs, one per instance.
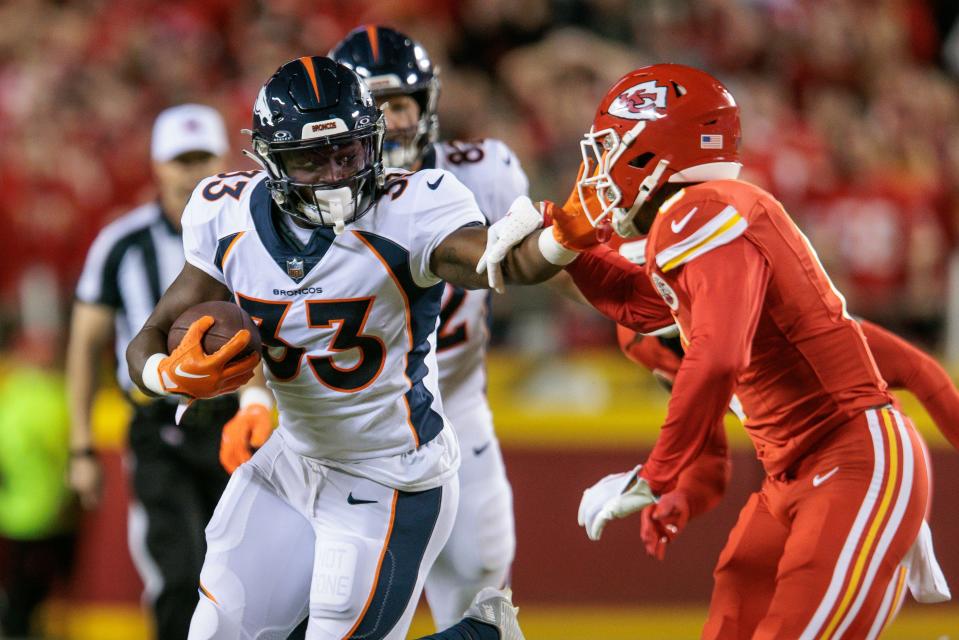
{"points": [[228, 319]]}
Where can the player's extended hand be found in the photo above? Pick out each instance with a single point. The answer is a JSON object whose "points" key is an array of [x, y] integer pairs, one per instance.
{"points": [[522, 219], [615, 496], [245, 432], [191, 372], [663, 521], [571, 226]]}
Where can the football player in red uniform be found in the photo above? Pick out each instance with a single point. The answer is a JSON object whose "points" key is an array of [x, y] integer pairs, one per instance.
{"points": [[701, 485], [816, 552]]}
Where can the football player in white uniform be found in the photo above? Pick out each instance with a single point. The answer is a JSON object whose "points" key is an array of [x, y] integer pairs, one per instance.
{"points": [[404, 83], [341, 514]]}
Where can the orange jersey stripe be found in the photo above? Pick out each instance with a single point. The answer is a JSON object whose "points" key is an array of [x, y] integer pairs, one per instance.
{"points": [[230, 248], [307, 63], [206, 593]]}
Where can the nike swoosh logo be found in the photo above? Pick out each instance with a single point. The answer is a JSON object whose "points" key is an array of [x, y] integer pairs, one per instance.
{"points": [[180, 372], [434, 185], [818, 479], [679, 225], [353, 500], [479, 450]]}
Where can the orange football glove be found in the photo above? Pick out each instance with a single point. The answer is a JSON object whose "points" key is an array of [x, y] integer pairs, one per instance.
{"points": [[571, 227], [246, 432], [663, 521], [191, 372]]}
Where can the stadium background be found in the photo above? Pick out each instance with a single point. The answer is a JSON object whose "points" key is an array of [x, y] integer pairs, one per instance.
{"points": [[851, 117]]}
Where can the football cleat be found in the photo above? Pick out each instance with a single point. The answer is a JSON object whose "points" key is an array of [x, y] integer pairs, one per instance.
{"points": [[495, 607]]}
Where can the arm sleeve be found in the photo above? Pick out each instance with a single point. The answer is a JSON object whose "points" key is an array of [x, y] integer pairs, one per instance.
{"points": [[649, 352], [704, 480], [906, 367], [619, 290], [200, 234], [438, 213], [731, 277]]}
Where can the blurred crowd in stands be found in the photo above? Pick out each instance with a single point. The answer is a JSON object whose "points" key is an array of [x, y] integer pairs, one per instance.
{"points": [[849, 109]]}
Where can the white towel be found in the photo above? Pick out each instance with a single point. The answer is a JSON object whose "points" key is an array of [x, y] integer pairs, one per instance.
{"points": [[925, 579]]}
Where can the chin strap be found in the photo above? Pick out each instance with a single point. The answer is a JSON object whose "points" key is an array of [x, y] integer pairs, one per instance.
{"points": [[623, 218]]}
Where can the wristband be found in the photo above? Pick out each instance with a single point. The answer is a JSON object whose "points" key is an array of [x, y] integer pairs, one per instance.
{"points": [[553, 251], [151, 374], [256, 395]]}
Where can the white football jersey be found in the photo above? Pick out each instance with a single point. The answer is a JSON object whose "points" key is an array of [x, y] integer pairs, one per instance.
{"points": [[347, 321], [493, 173]]}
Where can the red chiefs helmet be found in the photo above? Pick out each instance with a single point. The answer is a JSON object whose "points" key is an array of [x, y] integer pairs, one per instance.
{"points": [[658, 124]]}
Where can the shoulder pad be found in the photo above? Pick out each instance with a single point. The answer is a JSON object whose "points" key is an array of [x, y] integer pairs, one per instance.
{"points": [[691, 223]]}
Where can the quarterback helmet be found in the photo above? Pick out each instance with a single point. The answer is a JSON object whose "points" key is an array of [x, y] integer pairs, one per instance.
{"points": [[393, 64], [658, 124], [319, 135]]}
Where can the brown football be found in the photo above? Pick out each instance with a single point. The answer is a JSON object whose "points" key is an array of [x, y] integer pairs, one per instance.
{"points": [[228, 319]]}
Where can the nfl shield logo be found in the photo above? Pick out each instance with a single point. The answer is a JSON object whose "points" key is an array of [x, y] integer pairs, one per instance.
{"points": [[294, 267]]}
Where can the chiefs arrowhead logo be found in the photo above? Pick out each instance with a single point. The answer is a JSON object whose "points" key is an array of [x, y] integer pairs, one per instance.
{"points": [[640, 102], [666, 292]]}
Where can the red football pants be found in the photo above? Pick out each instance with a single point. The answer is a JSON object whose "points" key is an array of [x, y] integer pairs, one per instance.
{"points": [[817, 554]]}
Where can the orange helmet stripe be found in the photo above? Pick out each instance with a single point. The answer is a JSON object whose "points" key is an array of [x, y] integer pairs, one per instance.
{"points": [[307, 62], [374, 41]]}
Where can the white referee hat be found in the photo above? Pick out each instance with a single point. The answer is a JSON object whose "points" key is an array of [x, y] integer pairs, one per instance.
{"points": [[185, 128]]}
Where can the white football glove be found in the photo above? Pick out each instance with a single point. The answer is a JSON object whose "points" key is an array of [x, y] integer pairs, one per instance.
{"points": [[504, 234], [615, 496]]}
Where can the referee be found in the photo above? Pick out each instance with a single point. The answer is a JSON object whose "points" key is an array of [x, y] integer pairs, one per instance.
{"points": [[175, 471]]}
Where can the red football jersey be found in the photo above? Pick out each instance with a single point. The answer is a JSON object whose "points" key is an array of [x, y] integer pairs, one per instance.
{"points": [[758, 316]]}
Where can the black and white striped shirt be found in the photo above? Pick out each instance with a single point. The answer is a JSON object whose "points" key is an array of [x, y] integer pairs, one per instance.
{"points": [[129, 266]]}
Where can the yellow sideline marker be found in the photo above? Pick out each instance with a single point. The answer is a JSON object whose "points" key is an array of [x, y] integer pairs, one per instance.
{"points": [[539, 622]]}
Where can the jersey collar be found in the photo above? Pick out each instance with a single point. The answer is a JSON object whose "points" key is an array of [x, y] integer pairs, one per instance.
{"points": [[294, 261]]}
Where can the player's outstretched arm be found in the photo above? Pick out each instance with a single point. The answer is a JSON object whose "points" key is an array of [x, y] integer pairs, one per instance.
{"points": [[620, 290], [455, 260], [191, 287], [905, 367]]}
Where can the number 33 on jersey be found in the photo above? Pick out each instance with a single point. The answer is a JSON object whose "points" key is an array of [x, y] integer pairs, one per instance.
{"points": [[346, 320]]}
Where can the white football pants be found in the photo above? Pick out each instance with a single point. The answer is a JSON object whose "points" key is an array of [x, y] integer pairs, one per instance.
{"points": [[480, 550], [292, 538]]}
